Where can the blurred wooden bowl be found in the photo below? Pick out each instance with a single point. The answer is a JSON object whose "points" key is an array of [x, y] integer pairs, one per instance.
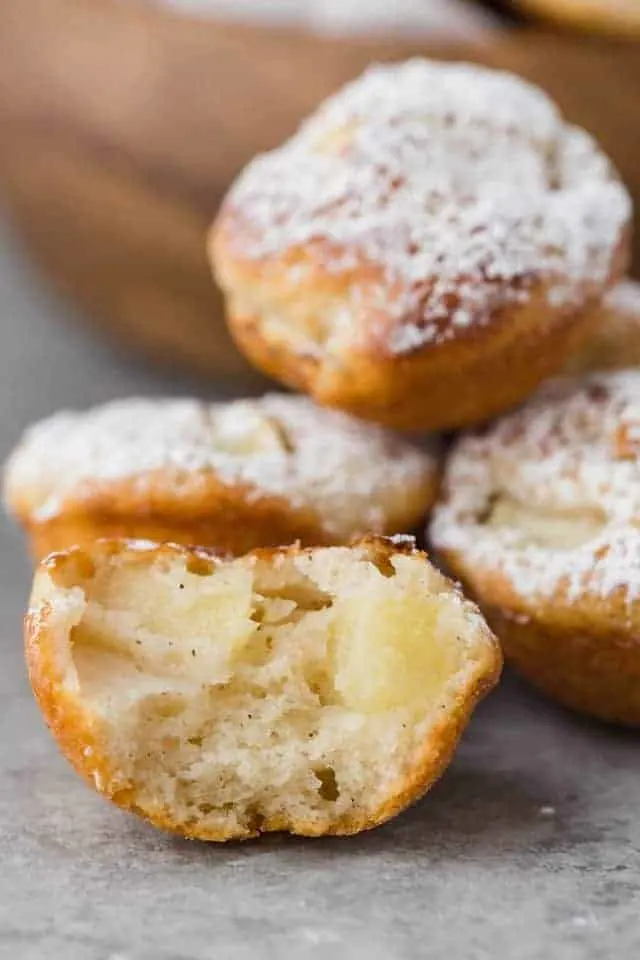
{"points": [[122, 125], [618, 17]]}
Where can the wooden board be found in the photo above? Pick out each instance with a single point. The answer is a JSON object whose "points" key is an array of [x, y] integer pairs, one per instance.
{"points": [[122, 126]]}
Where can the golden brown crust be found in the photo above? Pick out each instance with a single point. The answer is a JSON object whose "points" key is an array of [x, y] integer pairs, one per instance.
{"points": [[539, 519], [454, 384], [582, 652], [230, 519], [234, 476], [424, 251], [78, 734], [593, 672]]}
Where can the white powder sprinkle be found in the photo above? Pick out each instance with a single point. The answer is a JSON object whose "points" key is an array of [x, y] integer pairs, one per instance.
{"points": [[463, 185], [402, 540], [320, 459], [567, 461]]}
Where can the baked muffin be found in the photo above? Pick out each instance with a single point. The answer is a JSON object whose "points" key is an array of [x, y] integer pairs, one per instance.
{"points": [[315, 691], [540, 519], [230, 475], [425, 250], [614, 342]]}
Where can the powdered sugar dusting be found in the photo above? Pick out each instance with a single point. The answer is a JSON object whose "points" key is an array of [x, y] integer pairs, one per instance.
{"points": [[567, 462], [402, 540], [463, 185], [352, 474]]}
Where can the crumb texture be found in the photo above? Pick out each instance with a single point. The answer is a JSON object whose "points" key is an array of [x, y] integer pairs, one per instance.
{"points": [[463, 186], [300, 690]]}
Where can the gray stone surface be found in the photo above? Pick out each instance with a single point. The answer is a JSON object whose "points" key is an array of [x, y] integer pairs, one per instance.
{"points": [[527, 850]]}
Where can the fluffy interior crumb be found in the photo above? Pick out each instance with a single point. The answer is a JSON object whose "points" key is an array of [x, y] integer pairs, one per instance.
{"points": [[299, 688], [530, 525]]}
